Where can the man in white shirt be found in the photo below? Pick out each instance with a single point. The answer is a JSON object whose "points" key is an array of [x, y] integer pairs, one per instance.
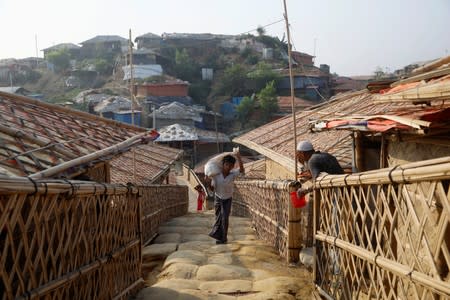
{"points": [[223, 186]]}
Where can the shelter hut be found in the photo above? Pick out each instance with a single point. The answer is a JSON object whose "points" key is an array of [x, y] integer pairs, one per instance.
{"points": [[66, 231], [388, 237]]}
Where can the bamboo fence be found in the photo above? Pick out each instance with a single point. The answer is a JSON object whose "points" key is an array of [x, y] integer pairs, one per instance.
{"points": [[384, 234], [268, 205], [68, 239], [159, 204], [77, 239]]}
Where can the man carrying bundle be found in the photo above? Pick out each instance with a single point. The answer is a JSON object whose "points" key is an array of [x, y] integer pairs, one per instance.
{"points": [[222, 184]]}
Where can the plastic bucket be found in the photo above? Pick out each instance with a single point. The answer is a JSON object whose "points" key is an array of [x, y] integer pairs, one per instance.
{"points": [[296, 201]]}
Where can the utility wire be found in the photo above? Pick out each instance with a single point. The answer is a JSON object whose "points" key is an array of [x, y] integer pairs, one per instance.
{"points": [[304, 71]]}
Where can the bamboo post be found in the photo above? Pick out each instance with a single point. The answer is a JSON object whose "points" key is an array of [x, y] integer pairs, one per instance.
{"points": [[295, 237], [359, 151], [291, 80], [132, 100], [316, 214]]}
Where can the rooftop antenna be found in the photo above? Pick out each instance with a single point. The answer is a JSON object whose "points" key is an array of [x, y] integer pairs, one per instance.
{"points": [[314, 58], [291, 78]]}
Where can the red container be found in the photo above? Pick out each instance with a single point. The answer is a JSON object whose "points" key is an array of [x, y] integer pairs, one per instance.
{"points": [[296, 201]]}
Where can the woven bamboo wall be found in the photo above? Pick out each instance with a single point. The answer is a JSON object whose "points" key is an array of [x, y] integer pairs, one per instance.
{"points": [[68, 240], [268, 205], [385, 234], [159, 204]]}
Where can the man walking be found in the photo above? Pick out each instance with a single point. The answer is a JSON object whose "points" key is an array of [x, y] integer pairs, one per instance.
{"points": [[223, 186]]}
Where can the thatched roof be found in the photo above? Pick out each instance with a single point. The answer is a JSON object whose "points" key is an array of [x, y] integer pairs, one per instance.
{"points": [[37, 136], [152, 160]]}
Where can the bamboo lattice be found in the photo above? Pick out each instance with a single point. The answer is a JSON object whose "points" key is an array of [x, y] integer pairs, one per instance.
{"points": [[68, 239], [385, 234], [159, 204], [268, 205]]}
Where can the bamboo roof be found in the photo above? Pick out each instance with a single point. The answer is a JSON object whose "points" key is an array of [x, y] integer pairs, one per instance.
{"points": [[152, 161], [36, 136]]}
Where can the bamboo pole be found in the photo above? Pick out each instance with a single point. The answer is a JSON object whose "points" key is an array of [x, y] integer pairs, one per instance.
{"points": [[396, 174], [132, 100], [87, 158], [431, 66], [291, 80], [429, 75], [12, 185], [389, 265], [42, 143], [294, 237]]}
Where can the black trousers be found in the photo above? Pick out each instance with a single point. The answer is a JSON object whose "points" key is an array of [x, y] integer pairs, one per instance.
{"points": [[222, 208]]}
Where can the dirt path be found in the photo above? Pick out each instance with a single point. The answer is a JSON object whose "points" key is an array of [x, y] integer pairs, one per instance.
{"points": [[185, 263]]}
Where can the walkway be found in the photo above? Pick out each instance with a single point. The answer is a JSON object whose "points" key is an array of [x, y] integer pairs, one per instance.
{"points": [[185, 263]]}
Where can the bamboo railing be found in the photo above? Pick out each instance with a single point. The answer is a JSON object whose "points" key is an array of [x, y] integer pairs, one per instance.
{"points": [[384, 234], [77, 239], [276, 221], [159, 204]]}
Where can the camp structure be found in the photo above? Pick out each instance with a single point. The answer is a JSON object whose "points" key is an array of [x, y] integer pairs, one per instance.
{"points": [[79, 198]]}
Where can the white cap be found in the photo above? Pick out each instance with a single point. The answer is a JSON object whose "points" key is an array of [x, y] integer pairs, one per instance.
{"points": [[304, 146]]}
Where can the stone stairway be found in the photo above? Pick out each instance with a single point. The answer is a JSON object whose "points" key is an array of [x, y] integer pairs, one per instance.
{"points": [[185, 263]]}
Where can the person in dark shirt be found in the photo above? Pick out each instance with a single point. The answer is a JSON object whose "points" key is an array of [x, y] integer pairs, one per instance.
{"points": [[316, 163]]}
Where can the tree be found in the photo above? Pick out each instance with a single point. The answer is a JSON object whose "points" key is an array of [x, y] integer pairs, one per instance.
{"points": [[262, 75], [233, 82], [60, 59], [185, 67], [261, 31], [379, 73], [245, 108], [268, 100]]}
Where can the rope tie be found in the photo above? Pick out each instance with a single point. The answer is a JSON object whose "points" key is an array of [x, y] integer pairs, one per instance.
{"points": [[390, 174], [375, 260], [35, 186], [46, 189], [345, 180], [72, 188]]}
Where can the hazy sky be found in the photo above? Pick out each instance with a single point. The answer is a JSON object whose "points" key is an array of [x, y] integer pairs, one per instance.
{"points": [[353, 36]]}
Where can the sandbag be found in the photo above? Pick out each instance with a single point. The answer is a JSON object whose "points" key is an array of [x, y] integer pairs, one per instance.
{"points": [[214, 165]]}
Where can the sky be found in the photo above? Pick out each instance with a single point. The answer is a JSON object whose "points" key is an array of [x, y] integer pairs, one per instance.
{"points": [[354, 37]]}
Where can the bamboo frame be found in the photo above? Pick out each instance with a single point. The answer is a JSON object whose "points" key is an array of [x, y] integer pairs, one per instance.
{"points": [[286, 228], [89, 157], [384, 235], [68, 239], [69, 111]]}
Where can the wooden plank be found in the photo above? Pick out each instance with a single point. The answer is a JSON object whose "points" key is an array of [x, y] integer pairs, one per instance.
{"points": [[295, 237], [433, 65], [429, 75]]}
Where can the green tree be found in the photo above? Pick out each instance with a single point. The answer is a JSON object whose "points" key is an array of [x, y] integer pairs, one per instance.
{"points": [[262, 75], [233, 82], [103, 66], [261, 31], [245, 108], [268, 100], [185, 67], [60, 59]]}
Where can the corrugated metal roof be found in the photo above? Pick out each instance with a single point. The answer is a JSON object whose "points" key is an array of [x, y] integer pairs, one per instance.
{"points": [[113, 104], [104, 39], [178, 111], [62, 46], [177, 132]]}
